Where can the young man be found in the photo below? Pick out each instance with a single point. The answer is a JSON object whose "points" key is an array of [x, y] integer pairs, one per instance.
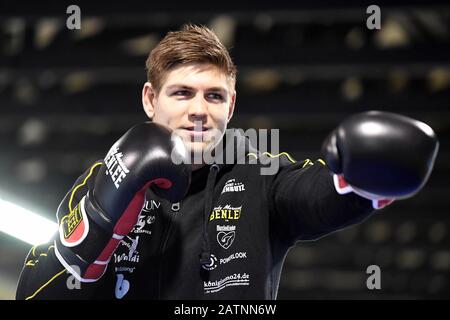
{"points": [[150, 222]]}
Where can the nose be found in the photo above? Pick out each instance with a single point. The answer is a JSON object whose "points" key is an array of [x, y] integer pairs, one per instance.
{"points": [[198, 108]]}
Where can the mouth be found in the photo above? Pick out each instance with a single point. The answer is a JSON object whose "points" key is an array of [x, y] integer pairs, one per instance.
{"points": [[196, 128], [197, 133]]}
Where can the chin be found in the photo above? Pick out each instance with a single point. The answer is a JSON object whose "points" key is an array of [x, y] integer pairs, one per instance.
{"points": [[198, 149]]}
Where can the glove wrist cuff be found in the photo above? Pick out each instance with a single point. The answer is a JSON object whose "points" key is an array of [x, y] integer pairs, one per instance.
{"points": [[342, 187]]}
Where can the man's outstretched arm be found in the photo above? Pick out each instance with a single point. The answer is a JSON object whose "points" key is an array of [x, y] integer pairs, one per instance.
{"points": [[372, 159]]}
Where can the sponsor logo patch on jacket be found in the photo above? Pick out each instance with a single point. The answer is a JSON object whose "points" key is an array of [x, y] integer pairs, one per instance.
{"points": [[236, 279], [233, 186], [226, 213], [225, 236]]}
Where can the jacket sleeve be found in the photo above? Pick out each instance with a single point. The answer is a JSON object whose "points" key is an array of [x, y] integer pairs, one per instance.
{"points": [[305, 205], [43, 276]]}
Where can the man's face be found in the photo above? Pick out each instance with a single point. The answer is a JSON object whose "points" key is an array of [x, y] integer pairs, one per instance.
{"points": [[195, 100]]}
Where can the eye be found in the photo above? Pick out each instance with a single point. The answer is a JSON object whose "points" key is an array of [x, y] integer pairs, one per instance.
{"points": [[181, 93], [215, 96]]}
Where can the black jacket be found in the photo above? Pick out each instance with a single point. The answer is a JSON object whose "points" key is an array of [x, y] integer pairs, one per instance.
{"points": [[245, 220]]}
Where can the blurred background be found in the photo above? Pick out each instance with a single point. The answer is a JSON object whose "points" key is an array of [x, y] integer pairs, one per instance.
{"points": [[67, 95]]}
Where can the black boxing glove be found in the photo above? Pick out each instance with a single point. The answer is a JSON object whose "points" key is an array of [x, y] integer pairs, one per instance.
{"points": [[148, 155], [381, 155]]}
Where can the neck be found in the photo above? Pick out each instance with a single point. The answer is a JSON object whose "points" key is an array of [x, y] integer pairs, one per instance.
{"points": [[196, 166]]}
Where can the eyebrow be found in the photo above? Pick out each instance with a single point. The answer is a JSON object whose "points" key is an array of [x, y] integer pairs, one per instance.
{"points": [[182, 86]]}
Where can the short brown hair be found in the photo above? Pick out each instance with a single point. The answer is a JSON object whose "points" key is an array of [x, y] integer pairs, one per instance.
{"points": [[191, 44]]}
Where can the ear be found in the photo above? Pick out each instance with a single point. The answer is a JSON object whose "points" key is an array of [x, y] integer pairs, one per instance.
{"points": [[231, 107], [148, 97]]}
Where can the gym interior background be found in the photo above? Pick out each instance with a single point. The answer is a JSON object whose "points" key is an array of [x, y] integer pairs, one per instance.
{"points": [[67, 95]]}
